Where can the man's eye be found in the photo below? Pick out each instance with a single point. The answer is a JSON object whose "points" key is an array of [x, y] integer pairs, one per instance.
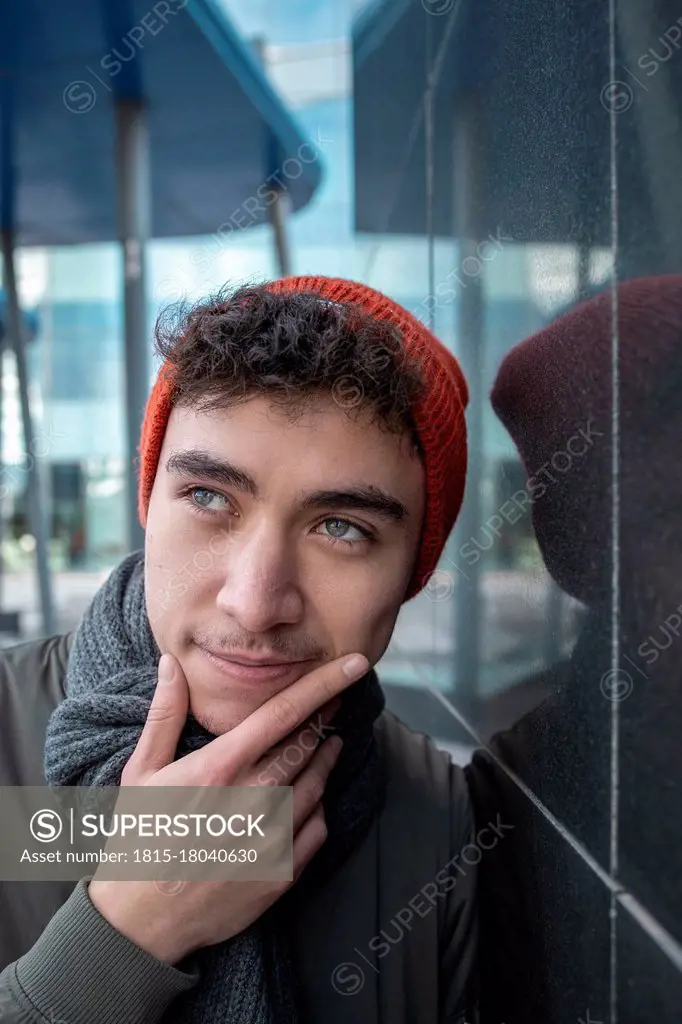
{"points": [[203, 497], [339, 531]]}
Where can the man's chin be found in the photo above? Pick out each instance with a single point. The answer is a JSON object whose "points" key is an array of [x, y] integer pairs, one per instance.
{"points": [[218, 705], [220, 716]]}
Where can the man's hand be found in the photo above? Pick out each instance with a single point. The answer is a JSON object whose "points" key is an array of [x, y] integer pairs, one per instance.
{"points": [[204, 913]]}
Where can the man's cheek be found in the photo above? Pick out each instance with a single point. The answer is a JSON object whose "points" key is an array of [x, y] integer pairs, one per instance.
{"points": [[178, 589]]}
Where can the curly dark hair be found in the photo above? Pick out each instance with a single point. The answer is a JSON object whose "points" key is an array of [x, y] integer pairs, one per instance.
{"points": [[293, 347]]}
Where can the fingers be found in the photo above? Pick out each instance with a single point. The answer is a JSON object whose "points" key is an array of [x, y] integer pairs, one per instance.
{"points": [[286, 711], [281, 765], [165, 720], [310, 785]]}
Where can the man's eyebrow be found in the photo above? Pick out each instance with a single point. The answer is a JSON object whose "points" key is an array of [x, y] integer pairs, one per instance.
{"points": [[195, 462], [362, 498]]}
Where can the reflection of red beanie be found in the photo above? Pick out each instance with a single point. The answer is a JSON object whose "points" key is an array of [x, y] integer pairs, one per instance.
{"points": [[554, 394], [439, 416]]}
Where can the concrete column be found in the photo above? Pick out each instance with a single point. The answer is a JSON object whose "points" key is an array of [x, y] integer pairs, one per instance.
{"points": [[133, 194]]}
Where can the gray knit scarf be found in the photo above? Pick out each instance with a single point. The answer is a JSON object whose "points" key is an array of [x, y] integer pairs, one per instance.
{"points": [[110, 680]]}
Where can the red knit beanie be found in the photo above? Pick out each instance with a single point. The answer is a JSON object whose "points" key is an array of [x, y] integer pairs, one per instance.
{"points": [[439, 416]]}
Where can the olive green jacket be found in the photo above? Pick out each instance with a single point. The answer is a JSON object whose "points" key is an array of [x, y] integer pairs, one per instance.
{"points": [[390, 942]]}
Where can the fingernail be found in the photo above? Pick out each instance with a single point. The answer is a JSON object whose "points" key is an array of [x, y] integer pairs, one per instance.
{"points": [[355, 666], [166, 670]]}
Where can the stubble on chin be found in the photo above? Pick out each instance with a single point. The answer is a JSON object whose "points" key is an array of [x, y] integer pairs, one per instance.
{"points": [[218, 724]]}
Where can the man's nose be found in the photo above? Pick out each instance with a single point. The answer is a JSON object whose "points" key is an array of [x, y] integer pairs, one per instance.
{"points": [[260, 587]]}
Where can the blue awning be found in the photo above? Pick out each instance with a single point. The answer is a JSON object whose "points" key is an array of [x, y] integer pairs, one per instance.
{"points": [[217, 129]]}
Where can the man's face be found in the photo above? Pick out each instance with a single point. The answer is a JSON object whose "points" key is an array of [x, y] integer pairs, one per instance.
{"points": [[247, 557]]}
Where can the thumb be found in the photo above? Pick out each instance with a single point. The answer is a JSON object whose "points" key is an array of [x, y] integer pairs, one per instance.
{"points": [[165, 719]]}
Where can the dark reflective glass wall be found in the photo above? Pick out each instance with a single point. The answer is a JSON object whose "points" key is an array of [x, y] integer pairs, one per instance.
{"points": [[536, 151]]}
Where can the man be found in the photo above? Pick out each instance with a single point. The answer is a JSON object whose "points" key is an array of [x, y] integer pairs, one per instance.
{"points": [[302, 463]]}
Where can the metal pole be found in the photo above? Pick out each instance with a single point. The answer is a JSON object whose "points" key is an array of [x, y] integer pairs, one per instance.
{"points": [[470, 314], [552, 645], [277, 212], [35, 502], [133, 187], [553, 639], [2, 467]]}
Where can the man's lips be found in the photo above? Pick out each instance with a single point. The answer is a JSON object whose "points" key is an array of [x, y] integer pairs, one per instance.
{"points": [[241, 668], [245, 659]]}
